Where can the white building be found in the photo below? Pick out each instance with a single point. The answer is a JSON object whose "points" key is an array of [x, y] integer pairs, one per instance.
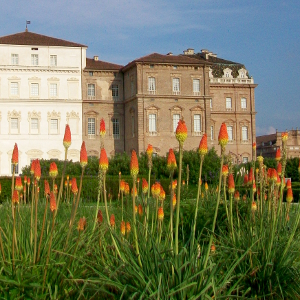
{"points": [[40, 92]]}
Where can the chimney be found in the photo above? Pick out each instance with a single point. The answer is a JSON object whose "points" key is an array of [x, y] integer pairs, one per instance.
{"points": [[170, 53], [206, 53], [189, 51], [96, 58]]}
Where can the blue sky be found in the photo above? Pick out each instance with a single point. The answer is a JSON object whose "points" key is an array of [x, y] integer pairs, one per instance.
{"points": [[263, 35]]}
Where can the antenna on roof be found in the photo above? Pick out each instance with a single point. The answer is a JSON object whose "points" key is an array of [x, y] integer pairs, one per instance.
{"points": [[27, 22]]}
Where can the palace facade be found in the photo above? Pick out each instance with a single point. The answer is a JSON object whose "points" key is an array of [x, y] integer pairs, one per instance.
{"points": [[47, 82]]}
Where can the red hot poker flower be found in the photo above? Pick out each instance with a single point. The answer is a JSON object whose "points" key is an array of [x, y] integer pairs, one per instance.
{"points": [[224, 170], [140, 209], [181, 132], [284, 136], [278, 154], [37, 170], [160, 214], [236, 196], [74, 186], [112, 220], [67, 137], [25, 179], [15, 155], [81, 224], [254, 146], [289, 184], [203, 145], [171, 162], [53, 172], [122, 186], [149, 151], [32, 167], [99, 217], [289, 195], [103, 162], [134, 164], [47, 188], [83, 155], [128, 227], [223, 135], [52, 202], [123, 227], [231, 187], [102, 128], [19, 185], [279, 169], [145, 186], [15, 198]]}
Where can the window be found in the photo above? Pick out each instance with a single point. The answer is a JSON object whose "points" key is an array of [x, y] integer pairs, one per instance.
{"points": [[175, 67], [14, 89], [176, 86], [53, 90], [151, 85], [91, 128], [196, 87], [16, 168], [15, 59], [245, 160], [14, 125], [244, 133], [53, 60], [210, 103], [228, 103], [243, 103], [230, 133], [91, 90], [197, 123], [91, 73], [115, 91], [212, 133], [34, 89], [116, 128], [176, 118], [152, 123], [34, 125], [54, 126], [34, 59]]}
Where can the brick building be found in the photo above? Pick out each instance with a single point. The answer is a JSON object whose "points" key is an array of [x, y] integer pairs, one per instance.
{"points": [[156, 90]]}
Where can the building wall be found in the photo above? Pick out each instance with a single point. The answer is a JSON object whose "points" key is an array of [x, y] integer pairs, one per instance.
{"points": [[65, 107], [103, 105]]}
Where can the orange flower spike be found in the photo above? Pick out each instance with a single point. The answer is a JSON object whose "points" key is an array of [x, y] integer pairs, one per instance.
{"points": [[236, 196], [160, 214], [174, 200], [278, 181], [225, 170], [289, 195], [145, 186], [25, 179], [140, 209], [28, 180], [135, 194], [103, 162], [181, 132], [203, 145], [102, 128], [162, 194], [250, 176], [123, 227], [83, 155], [157, 188], [55, 188], [81, 224], [254, 146], [52, 202], [274, 175], [223, 136], [53, 172], [171, 161], [289, 184], [128, 227], [149, 151], [74, 186], [37, 170], [253, 206], [67, 137], [278, 154], [284, 136], [19, 185], [279, 169], [99, 217], [47, 187], [136, 209], [231, 187], [206, 186], [122, 186], [15, 155], [66, 183], [32, 167], [134, 164], [126, 189], [254, 187], [112, 220], [15, 198]]}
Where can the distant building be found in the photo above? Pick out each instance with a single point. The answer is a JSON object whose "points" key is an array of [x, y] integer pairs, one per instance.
{"points": [[267, 145]]}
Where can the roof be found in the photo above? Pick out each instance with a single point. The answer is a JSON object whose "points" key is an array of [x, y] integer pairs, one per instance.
{"points": [[213, 59], [266, 139], [92, 64], [156, 58], [30, 38]]}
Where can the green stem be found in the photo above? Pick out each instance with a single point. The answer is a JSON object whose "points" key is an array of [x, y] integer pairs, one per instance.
{"points": [[13, 239], [35, 225], [42, 232], [178, 198], [62, 180]]}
